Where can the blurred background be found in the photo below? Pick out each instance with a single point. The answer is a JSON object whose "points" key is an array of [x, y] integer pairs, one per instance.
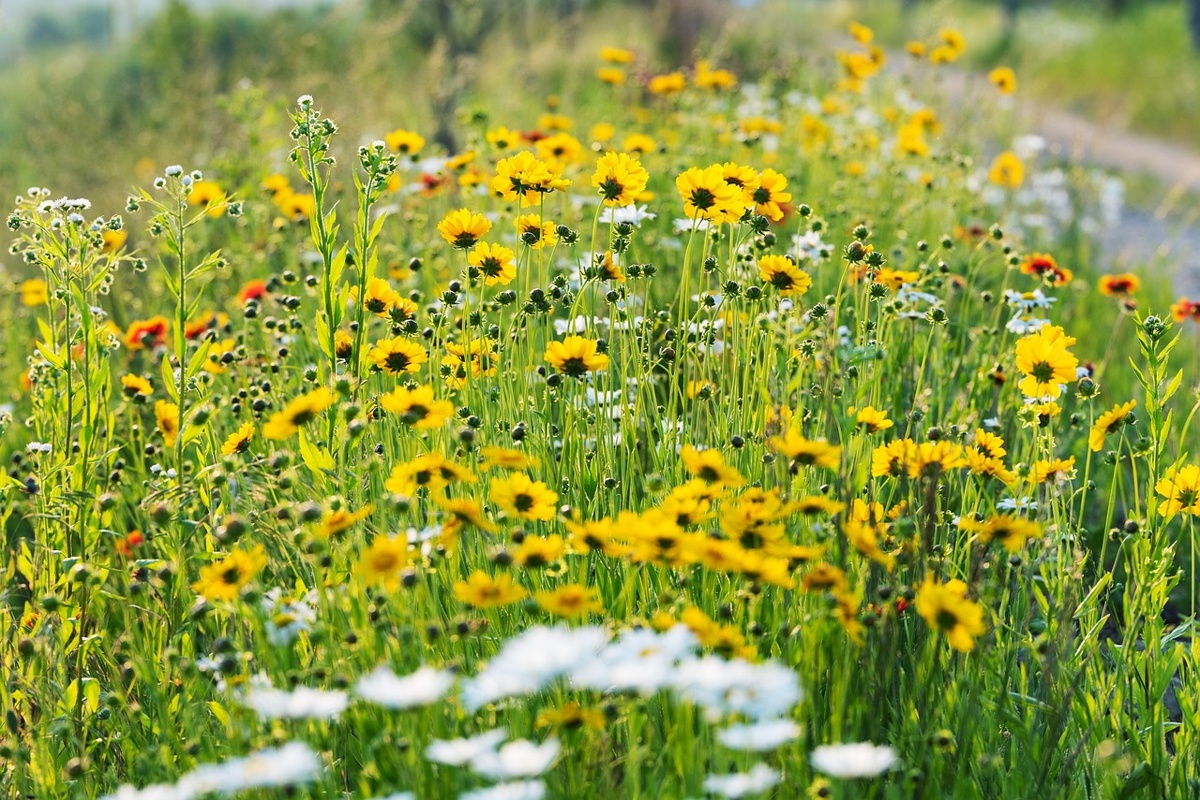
{"points": [[96, 95]]}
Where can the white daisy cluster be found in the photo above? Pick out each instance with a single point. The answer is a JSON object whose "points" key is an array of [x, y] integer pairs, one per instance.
{"points": [[293, 764]]}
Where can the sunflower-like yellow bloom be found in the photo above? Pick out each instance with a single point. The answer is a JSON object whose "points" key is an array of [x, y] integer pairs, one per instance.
{"points": [[707, 196], [947, 610], [462, 228], [619, 178], [1046, 363], [297, 413], [576, 356]]}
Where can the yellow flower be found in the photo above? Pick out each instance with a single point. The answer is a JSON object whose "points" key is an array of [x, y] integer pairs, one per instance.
{"points": [[946, 609], [462, 229], [871, 420], [1046, 363], [384, 560], [709, 465], [892, 459], [910, 141], [915, 49], [570, 716], [521, 497], [336, 522], [952, 39], [34, 292], [380, 297], [613, 76], [575, 356], [616, 55], [619, 178], [807, 452], [1055, 470], [667, 84], [483, 591], [1010, 531], [1043, 265], [864, 537], [417, 407], [708, 78], [559, 149], [746, 179], [784, 275], [861, 33], [398, 355], [931, 459], [1004, 79], [207, 195], [239, 440], [463, 511], [507, 458], [502, 138], [825, 578], [226, 578], [572, 600], [534, 233], [494, 262], [638, 143], [1181, 488], [706, 195], [300, 411], [136, 385], [1110, 421], [167, 415], [770, 194], [1007, 170], [405, 142], [525, 178], [427, 470], [113, 240]]}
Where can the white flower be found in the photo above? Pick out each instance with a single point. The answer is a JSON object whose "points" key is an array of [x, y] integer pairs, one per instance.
{"points": [[383, 687], [519, 759], [38, 447], [399, 796], [457, 752], [528, 662], [685, 225], [634, 214], [640, 660], [723, 687], [765, 735], [1017, 504], [515, 790], [303, 703], [294, 763], [1022, 325], [159, 791], [859, 760], [741, 784], [287, 617]]}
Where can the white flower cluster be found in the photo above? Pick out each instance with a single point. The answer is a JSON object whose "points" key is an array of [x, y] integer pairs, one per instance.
{"points": [[292, 764]]}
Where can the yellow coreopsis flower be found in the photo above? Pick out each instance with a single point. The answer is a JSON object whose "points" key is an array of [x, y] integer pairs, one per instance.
{"points": [[1007, 170], [494, 262], [707, 195], [1110, 421], [1046, 363], [619, 178], [297, 413], [239, 440], [34, 292], [1004, 79], [225, 579], [947, 610], [417, 407], [1181, 488], [782, 273], [384, 560], [462, 228], [404, 142], [398, 355], [807, 452], [572, 600], [483, 591], [521, 497], [770, 194], [167, 415], [576, 356]]}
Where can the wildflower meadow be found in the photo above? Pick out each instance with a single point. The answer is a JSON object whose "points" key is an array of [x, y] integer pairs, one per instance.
{"points": [[692, 434]]}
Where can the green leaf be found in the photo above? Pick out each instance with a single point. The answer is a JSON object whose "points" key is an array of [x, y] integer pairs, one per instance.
{"points": [[168, 377], [315, 458], [51, 356], [197, 359]]}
